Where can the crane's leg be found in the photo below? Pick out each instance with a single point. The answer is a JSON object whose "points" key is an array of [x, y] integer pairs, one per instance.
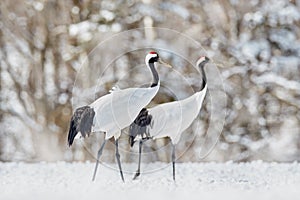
{"points": [[173, 160], [139, 165], [118, 159], [98, 157]]}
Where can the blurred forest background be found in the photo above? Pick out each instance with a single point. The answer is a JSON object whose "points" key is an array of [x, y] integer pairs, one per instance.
{"points": [[255, 43]]}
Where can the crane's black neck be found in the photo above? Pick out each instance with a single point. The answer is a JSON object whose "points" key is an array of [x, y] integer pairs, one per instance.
{"points": [[154, 74], [201, 66]]}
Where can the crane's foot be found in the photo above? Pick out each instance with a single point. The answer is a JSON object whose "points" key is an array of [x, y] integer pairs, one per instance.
{"points": [[137, 174]]}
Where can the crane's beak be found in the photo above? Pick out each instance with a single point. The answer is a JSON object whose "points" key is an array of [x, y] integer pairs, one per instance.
{"points": [[164, 63]]}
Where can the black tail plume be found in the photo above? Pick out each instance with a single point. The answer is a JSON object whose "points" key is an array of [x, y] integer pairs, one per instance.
{"points": [[81, 121], [139, 127]]}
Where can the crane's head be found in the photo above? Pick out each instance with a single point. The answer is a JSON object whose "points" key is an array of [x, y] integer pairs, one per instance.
{"points": [[202, 61], [153, 57]]}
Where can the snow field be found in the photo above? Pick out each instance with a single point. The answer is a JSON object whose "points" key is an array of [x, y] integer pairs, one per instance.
{"points": [[229, 180]]}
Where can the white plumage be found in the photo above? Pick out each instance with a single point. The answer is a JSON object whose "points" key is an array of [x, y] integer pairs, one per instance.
{"points": [[171, 119], [168, 119], [115, 111]]}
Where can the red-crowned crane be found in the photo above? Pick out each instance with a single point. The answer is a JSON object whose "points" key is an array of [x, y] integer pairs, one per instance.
{"points": [[168, 119], [115, 111]]}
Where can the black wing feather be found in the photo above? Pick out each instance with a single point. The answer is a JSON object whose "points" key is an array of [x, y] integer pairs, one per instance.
{"points": [[81, 121], [139, 126]]}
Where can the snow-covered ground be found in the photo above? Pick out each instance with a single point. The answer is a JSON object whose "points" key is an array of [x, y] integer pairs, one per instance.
{"points": [[62, 180]]}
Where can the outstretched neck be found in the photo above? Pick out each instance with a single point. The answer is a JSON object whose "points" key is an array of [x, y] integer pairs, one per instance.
{"points": [[154, 74], [201, 66]]}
